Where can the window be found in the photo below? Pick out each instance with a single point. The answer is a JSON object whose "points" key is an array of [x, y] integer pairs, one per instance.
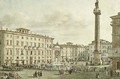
{"points": [[17, 43], [10, 42], [104, 51], [27, 38], [7, 52], [38, 44], [17, 57], [17, 37], [47, 52], [7, 35], [38, 52], [22, 37], [26, 61], [34, 61], [42, 45], [31, 53], [34, 44], [118, 65], [27, 43], [50, 52], [22, 43], [22, 57], [10, 52], [42, 53], [42, 39], [0, 42], [17, 51], [38, 61], [7, 42], [22, 52], [31, 43], [43, 61], [35, 53], [26, 52], [11, 36]]}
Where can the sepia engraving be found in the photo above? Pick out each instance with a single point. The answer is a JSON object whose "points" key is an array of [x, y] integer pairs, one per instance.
{"points": [[59, 39]]}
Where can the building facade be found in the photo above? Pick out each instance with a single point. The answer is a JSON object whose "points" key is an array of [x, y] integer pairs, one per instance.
{"points": [[115, 52], [22, 47], [65, 55], [72, 52], [104, 47]]}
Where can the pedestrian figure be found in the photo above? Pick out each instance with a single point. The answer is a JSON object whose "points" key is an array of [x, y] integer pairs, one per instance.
{"points": [[40, 73], [35, 74], [5, 76], [94, 69], [111, 73], [61, 71], [8, 77], [97, 75], [70, 71]]}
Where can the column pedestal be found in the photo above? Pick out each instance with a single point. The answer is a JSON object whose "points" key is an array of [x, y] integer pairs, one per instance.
{"points": [[97, 58]]}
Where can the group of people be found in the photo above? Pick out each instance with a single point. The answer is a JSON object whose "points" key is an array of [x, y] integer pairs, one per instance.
{"points": [[37, 74], [70, 71], [10, 75]]}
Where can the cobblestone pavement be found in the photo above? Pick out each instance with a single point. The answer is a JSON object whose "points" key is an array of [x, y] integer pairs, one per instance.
{"points": [[87, 75], [28, 74]]}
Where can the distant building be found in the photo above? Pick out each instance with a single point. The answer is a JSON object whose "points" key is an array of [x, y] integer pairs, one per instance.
{"points": [[22, 47], [67, 54], [72, 52], [104, 47], [83, 53], [115, 52]]}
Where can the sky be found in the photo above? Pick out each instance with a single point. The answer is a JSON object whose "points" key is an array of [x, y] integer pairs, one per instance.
{"points": [[64, 20]]}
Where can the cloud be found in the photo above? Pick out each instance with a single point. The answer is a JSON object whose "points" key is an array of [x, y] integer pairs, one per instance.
{"points": [[61, 21], [61, 25], [12, 20]]}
